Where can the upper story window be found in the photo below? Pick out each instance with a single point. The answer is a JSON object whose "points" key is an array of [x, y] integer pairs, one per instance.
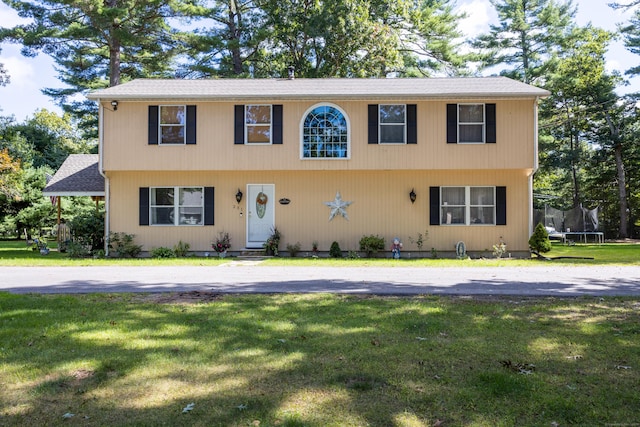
{"points": [[467, 205], [325, 133], [172, 124], [258, 124], [471, 123], [176, 206], [392, 123]]}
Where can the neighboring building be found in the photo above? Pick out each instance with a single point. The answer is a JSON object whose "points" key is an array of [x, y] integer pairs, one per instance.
{"points": [[322, 160]]}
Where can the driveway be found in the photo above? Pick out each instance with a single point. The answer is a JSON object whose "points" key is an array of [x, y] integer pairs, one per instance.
{"points": [[248, 277]]}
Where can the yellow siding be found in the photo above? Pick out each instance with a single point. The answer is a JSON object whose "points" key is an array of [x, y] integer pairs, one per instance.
{"points": [[125, 141], [380, 206]]}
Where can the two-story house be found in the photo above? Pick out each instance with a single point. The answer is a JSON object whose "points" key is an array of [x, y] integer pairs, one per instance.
{"points": [[322, 160]]}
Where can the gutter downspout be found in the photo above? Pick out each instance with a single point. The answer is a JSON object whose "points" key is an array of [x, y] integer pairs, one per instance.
{"points": [[101, 171], [535, 162]]}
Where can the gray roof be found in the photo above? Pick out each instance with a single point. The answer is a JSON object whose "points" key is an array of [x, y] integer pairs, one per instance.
{"points": [[78, 176], [237, 89]]}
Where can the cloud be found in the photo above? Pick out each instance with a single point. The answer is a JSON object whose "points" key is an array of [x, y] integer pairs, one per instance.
{"points": [[20, 70], [480, 13]]}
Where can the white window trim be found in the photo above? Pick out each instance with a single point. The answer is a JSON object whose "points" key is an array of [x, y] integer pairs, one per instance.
{"points": [[176, 206], [247, 125], [404, 125], [346, 117], [468, 205], [483, 123], [160, 125]]}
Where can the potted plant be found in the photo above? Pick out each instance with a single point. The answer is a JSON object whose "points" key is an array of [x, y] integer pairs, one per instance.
{"points": [[222, 244]]}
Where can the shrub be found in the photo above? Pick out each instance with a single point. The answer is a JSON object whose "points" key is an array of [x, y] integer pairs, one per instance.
{"points": [[371, 245], [499, 249], [77, 250], [181, 249], [293, 249], [162, 252], [419, 241], [87, 228], [353, 255], [335, 251], [539, 240], [123, 246]]}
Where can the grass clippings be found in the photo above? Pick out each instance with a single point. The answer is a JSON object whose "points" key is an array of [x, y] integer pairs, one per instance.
{"points": [[317, 360]]}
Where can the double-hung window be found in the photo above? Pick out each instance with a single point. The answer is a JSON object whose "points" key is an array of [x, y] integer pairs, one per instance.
{"points": [[258, 124], [393, 123], [172, 124], [176, 206], [471, 123], [468, 205]]}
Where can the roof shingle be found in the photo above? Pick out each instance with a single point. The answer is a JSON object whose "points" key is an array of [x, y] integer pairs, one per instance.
{"points": [[230, 89], [78, 176]]}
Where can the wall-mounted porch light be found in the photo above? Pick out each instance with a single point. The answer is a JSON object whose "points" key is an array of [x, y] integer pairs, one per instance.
{"points": [[412, 196]]}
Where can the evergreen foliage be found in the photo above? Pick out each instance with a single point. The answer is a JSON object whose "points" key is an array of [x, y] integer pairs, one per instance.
{"points": [[539, 240], [335, 251]]}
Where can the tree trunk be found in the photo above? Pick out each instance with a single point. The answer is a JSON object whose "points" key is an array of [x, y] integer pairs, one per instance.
{"points": [[235, 28], [622, 179], [114, 50], [622, 193]]}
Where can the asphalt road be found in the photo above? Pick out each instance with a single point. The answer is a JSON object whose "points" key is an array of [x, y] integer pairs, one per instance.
{"points": [[241, 277]]}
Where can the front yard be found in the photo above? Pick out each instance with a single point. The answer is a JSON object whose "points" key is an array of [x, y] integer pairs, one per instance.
{"points": [[318, 360]]}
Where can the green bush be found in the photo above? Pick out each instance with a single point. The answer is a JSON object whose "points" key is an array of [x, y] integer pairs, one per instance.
{"points": [[123, 246], [181, 249], [78, 250], [539, 240], [162, 252], [87, 229], [371, 245], [293, 249], [335, 251]]}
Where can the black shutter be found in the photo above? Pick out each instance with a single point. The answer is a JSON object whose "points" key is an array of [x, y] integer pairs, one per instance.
{"points": [[412, 124], [191, 124], [434, 205], [239, 125], [208, 205], [276, 124], [501, 205], [144, 206], [153, 125], [373, 123], [452, 123], [490, 117]]}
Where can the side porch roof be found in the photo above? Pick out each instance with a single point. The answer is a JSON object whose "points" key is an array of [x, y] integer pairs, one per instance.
{"points": [[78, 176]]}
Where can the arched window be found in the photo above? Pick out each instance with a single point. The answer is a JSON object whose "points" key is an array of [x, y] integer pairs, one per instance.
{"points": [[325, 133]]}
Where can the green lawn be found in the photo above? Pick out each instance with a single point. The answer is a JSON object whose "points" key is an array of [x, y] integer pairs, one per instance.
{"points": [[16, 253], [318, 360]]}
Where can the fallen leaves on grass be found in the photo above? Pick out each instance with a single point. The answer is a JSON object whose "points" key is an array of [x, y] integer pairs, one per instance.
{"points": [[521, 368]]}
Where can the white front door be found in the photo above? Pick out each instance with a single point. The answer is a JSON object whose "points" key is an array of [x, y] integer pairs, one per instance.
{"points": [[260, 213]]}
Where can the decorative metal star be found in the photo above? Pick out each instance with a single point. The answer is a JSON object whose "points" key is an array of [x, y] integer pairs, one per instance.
{"points": [[338, 207]]}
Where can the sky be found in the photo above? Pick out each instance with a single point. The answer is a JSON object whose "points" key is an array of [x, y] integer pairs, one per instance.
{"points": [[23, 96]]}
